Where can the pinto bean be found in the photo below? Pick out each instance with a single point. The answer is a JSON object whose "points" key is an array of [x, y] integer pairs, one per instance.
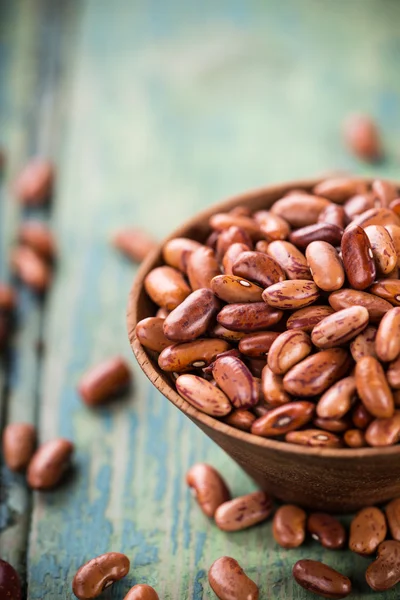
{"points": [[230, 582], [272, 388], [243, 512], [283, 419], [340, 327], [322, 232], [364, 344], [292, 261], [314, 438], [337, 400], [340, 189], [357, 258], [307, 318], [320, 579], [327, 530], [197, 354], [300, 209], [166, 287], [291, 295], [367, 531], [259, 268], [345, 298], [236, 381], [203, 395], [192, 317], [289, 348], [249, 317], [208, 487], [289, 526], [373, 389], [234, 289], [325, 265], [202, 267]]}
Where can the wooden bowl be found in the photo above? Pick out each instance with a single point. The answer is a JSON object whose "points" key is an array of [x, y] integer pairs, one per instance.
{"points": [[336, 480]]}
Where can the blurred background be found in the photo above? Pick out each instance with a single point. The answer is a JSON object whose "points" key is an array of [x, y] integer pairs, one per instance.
{"points": [[151, 111]]}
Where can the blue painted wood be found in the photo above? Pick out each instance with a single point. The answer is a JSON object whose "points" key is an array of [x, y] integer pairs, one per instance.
{"points": [[166, 109]]}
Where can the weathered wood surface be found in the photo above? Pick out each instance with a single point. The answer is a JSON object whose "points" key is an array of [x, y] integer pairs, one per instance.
{"points": [[154, 110]]}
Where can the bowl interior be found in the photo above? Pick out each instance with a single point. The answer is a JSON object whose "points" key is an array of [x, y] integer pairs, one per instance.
{"points": [[140, 306]]}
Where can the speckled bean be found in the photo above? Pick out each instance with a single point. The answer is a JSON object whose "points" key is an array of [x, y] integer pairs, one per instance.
{"points": [[291, 295], [364, 344], [320, 579], [200, 353], [326, 530], [383, 249], [367, 531], [289, 348], [283, 419], [357, 258], [292, 261], [337, 400], [258, 267], [373, 389], [234, 289], [166, 287], [243, 512], [289, 526], [49, 464], [230, 582], [203, 395], [249, 317], [19, 440], [202, 267], [325, 265], [208, 487], [98, 574], [306, 318], [272, 388]]}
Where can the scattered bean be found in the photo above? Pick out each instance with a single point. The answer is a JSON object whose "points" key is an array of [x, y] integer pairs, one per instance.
{"points": [[142, 592], [367, 531], [230, 582], [135, 244], [104, 381], [289, 526], [320, 579], [49, 464], [32, 270], [384, 572], [243, 512], [362, 137], [208, 486], [99, 574], [34, 184], [19, 441], [327, 530]]}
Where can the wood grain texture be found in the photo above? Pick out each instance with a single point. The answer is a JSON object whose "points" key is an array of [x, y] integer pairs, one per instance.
{"points": [[171, 108]]}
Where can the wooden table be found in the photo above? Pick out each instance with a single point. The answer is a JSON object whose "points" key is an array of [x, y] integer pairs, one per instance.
{"points": [[151, 111]]}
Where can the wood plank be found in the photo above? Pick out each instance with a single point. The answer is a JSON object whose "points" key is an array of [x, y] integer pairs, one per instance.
{"points": [[172, 109], [30, 75]]}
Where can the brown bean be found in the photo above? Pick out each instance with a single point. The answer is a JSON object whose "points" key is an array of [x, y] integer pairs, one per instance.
{"points": [[337, 400], [333, 425], [135, 244], [230, 236], [376, 216], [243, 512], [289, 526], [300, 209], [354, 438], [316, 373], [257, 344], [383, 249], [203, 395], [326, 530], [32, 270], [249, 317], [307, 318], [219, 331], [192, 317], [49, 464], [162, 313], [364, 344], [360, 416], [272, 226], [387, 341], [259, 268], [166, 287], [340, 327], [150, 334], [346, 298], [393, 518], [283, 419], [8, 298], [325, 265], [262, 246], [287, 350], [209, 488], [324, 232], [318, 578], [362, 137], [373, 389], [388, 289], [384, 572], [358, 258], [240, 418], [39, 238], [334, 215], [176, 252], [315, 438], [384, 191], [230, 256], [384, 432], [202, 266], [19, 440], [236, 381], [291, 295], [104, 381], [142, 592], [394, 232], [358, 205], [340, 189], [221, 221], [98, 574], [234, 289], [292, 261], [242, 211], [10, 585], [367, 531], [34, 184], [272, 388], [393, 374], [230, 582], [198, 354]]}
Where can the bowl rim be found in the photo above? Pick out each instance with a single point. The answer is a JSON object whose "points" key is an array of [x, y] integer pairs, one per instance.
{"points": [[145, 360]]}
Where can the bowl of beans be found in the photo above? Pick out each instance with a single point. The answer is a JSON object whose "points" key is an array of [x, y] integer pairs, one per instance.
{"points": [[272, 320]]}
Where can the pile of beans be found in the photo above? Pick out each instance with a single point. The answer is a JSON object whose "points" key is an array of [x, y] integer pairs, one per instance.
{"points": [[286, 322], [291, 524]]}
